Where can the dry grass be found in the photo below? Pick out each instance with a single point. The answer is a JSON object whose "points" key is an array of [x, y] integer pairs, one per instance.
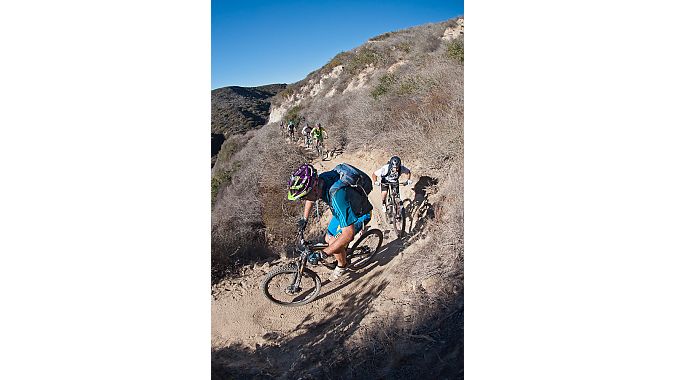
{"points": [[251, 218]]}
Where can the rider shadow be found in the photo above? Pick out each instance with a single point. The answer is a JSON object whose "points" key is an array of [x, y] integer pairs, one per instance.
{"points": [[419, 210], [387, 252], [335, 152], [423, 187]]}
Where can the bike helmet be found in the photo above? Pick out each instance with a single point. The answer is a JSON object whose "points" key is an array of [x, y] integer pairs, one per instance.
{"points": [[302, 181], [395, 162]]}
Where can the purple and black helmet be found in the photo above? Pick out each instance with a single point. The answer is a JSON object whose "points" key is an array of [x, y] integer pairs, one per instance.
{"points": [[302, 181]]}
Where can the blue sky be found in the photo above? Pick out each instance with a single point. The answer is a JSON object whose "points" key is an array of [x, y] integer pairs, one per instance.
{"points": [[263, 41]]}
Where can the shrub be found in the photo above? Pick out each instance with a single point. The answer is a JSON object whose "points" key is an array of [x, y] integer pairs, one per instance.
{"points": [[381, 37], [229, 148], [219, 179], [338, 60], [404, 46], [384, 85], [456, 50], [288, 91], [408, 86], [293, 114], [222, 177], [362, 59]]}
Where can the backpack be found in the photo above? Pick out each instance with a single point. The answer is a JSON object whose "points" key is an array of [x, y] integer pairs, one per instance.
{"points": [[353, 177], [359, 181]]}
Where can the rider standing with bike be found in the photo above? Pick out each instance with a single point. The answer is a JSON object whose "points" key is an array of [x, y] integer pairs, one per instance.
{"points": [[306, 135], [319, 134], [389, 174], [345, 189], [291, 127]]}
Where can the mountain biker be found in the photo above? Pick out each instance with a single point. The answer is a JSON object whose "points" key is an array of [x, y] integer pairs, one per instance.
{"points": [[306, 133], [291, 127], [350, 207], [319, 134], [389, 174]]}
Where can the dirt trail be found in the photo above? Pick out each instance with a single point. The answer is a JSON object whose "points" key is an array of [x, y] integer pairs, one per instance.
{"points": [[242, 316]]}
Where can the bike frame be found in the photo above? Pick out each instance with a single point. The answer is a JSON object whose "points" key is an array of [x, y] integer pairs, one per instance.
{"points": [[304, 250], [392, 198]]}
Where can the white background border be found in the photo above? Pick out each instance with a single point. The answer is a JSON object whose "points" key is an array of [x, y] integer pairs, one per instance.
{"points": [[105, 196]]}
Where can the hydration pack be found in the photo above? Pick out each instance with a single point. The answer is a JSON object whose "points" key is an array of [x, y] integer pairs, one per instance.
{"points": [[353, 177], [358, 186]]}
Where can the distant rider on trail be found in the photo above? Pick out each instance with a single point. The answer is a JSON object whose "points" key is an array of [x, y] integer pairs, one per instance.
{"points": [[319, 134], [291, 127], [390, 173], [306, 134], [348, 202]]}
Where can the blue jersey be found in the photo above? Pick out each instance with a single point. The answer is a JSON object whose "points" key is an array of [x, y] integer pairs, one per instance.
{"points": [[347, 204]]}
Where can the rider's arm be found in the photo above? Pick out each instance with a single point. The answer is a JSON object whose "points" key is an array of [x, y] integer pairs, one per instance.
{"points": [[308, 209], [377, 174], [407, 171]]}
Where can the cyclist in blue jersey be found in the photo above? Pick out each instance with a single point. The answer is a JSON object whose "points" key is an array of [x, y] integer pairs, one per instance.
{"points": [[350, 207]]}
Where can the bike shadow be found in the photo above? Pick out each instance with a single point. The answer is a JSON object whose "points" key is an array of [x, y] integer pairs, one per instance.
{"points": [[418, 209], [386, 254]]}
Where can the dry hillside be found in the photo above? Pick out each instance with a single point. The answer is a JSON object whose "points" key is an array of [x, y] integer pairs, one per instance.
{"points": [[399, 93]]}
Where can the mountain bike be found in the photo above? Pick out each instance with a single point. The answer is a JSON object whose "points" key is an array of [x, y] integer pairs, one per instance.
{"points": [[296, 284], [395, 210], [321, 150]]}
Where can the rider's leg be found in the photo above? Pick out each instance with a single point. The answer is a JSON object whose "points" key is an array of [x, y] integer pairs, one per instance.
{"points": [[383, 191], [359, 226], [332, 232], [341, 255]]}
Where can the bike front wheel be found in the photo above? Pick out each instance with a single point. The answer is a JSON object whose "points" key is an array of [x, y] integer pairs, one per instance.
{"points": [[277, 286], [399, 221], [365, 248]]}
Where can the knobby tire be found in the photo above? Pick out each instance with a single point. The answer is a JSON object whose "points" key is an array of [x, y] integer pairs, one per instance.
{"points": [[291, 269]]}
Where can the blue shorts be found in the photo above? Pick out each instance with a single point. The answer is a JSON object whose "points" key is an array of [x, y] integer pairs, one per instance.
{"points": [[335, 227]]}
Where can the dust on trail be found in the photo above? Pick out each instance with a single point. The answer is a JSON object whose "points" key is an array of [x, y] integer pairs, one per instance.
{"points": [[241, 315]]}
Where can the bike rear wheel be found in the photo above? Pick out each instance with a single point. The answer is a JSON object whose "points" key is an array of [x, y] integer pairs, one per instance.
{"points": [[275, 286], [365, 248]]}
